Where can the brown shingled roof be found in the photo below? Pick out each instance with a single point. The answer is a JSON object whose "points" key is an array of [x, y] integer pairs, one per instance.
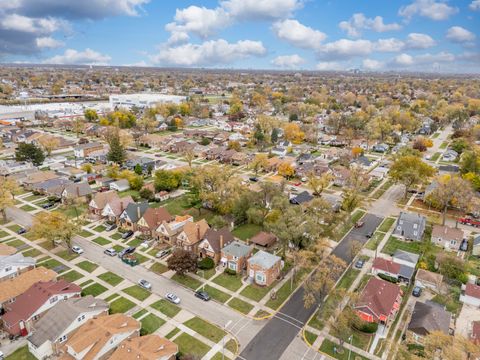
{"points": [[150, 347], [12, 288], [264, 239]]}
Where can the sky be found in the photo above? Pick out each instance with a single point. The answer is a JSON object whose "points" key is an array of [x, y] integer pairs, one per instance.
{"points": [[371, 35]]}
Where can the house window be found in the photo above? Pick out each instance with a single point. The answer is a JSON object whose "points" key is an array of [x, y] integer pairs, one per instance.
{"points": [[415, 226], [415, 233], [453, 242], [8, 268], [232, 266], [260, 278], [400, 222], [81, 317], [53, 299], [62, 338]]}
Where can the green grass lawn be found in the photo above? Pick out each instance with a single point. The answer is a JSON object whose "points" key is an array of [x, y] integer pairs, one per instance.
{"points": [[33, 198], [16, 243], [14, 227], [141, 258], [444, 145], [99, 228], [21, 354], [328, 348], [84, 284], [246, 231], [216, 294], [435, 156], [206, 329], [311, 337], [116, 236], [110, 278], [256, 292], [32, 252], [375, 240], [187, 281], [73, 211], [187, 344], [172, 333], [85, 233], [121, 305], [50, 263], [101, 241], [240, 305], [3, 234], [140, 313], [394, 244], [348, 278], [27, 207], [166, 307], [386, 224], [230, 282], [150, 324], [87, 266], [158, 268], [94, 290], [219, 356], [71, 276], [137, 292], [135, 242], [67, 255]]}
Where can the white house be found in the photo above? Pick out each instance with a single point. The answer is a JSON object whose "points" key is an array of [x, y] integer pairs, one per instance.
{"points": [[14, 265], [120, 185], [470, 295]]}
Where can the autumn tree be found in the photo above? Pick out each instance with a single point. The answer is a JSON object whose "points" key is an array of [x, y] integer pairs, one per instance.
{"points": [[318, 183], [90, 115], [87, 167], [439, 345], [450, 191], [182, 261], [189, 156], [54, 226], [259, 163], [293, 133], [49, 143], [146, 124], [167, 180], [234, 145], [410, 170], [8, 189], [286, 170]]}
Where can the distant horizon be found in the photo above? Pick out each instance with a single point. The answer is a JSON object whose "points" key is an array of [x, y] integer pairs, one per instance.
{"points": [[434, 36]]}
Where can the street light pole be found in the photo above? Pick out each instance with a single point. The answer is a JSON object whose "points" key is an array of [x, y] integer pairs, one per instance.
{"points": [[223, 339], [350, 349]]}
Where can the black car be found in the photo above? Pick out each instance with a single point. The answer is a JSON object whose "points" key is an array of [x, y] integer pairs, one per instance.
{"points": [[127, 234], [110, 227], [48, 206], [202, 295], [21, 231], [253, 178], [417, 291], [359, 264], [126, 251], [369, 234]]}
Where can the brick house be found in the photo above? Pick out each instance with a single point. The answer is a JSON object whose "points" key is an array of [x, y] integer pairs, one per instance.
{"points": [[426, 318], [234, 256], [447, 237], [99, 200], [131, 215], [151, 219], [264, 268], [191, 235], [114, 208], [213, 243], [168, 231]]}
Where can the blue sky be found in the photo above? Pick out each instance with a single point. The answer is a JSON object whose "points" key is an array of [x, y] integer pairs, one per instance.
{"points": [[425, 35]]}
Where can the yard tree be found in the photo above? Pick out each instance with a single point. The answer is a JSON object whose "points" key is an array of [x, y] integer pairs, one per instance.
{"points": [[49, 143], [146, 123], [439, 345], [87, 167], [470, 161], [30, 153], [450, 191], [274, 136], [182, 261], [318, 183], [293, 133], [410, 170], [117, 153], [90, 114], [451, 266], [146, 193], [167, 180], [290, 228], [135, 181], [234, 145], [78, 126], [286, 170], [189, 156], [8, 189], [259, 163], [54, 226]]}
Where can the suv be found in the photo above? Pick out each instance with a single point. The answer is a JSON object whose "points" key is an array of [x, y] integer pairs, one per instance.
{"points": [[417, 291], [126, 251], [359, 264], [48, 206], [161, 254], [77, 249], [202, 295], [127, 234], [110, 252], [110, 227]]}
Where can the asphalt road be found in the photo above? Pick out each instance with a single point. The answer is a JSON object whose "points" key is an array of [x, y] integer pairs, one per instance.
{"points": [[280, 331]]}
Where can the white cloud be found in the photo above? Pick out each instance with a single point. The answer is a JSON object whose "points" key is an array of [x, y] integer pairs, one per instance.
{"points": [[345, 49], [25, 24], [209, 53], [474, 5], [298, 34], [403, 60], [359, 22], [459, 35], [329, 66], [389, 45], [198, 20], [428, 8], [419, 41], [371, 64], [48, 42], [288, 61], [74, 57], [261, 9]]}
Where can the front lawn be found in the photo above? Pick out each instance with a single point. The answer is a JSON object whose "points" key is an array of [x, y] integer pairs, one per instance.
{"points": [[110, 278], [256, 292], [375, 240], [32, 252], [137, 292], [71, 276], [166, 307], [116, 236], [85, 233], [150, 324], [187, 344], [206, 329], [94, 290], [216, 294], [15, 243], [386, 224], [51, 263], [240, 305], [101, 241], [121, 305], [328, 348], [14, 227], [67, 255], [158, 268], [394, 244], [21, 354], [230, 282], [87, 266], [348, 278], [187, 281], [27, 207], [134, 242], [99, 228], [246, 231]]}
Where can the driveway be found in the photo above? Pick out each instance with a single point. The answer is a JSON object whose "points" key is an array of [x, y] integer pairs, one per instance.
{"points": [[464, 321]]}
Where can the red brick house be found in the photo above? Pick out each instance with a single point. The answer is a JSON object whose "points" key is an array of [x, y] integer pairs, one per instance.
{"points": [[379, 301], [264, 268], [213, 242], [151, 219], [234, 256]]}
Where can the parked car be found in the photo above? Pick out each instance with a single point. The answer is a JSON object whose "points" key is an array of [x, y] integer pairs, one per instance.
{"points": [[110, 252], [297, 183], [110, 227], [369, 234], [161, 254], [253, 178], [48, 206], [127, 234], [77, 249], [21, 231], [129, 250], [464, 245], [202, 295], [359, 224], [145, 284], [359, 264], [417, 291], [172, 298]]}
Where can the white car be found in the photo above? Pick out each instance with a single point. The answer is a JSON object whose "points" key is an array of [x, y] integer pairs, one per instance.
{"points": [[172, 298], [145, 284], [77, 249]]}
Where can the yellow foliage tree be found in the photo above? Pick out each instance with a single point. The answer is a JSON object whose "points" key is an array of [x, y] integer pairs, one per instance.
{"points": [[286, 170], [293, 133]]}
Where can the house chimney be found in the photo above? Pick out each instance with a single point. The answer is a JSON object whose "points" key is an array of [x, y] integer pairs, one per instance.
{"points": [[198, 231], [221, 242], [121, 206]]}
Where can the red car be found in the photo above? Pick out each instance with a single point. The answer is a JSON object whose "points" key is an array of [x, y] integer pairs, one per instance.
{"points": [[297, 183]]}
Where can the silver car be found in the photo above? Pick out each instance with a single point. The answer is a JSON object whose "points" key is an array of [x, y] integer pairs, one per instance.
{"points": [[172, 298], [145, 284]]}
